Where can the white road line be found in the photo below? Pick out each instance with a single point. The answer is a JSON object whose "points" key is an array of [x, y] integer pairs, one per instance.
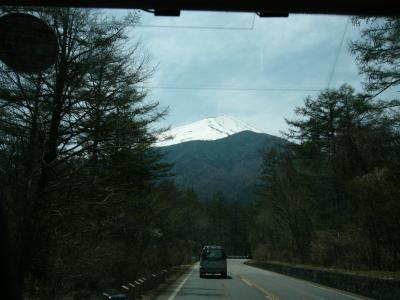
{"points": [[179, 287]]}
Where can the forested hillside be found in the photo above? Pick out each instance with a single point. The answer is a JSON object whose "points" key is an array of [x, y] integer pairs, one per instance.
{"points": [[230, 165]]}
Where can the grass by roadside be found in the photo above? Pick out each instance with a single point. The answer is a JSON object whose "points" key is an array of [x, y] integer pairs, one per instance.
{"points": [[174, 274]]}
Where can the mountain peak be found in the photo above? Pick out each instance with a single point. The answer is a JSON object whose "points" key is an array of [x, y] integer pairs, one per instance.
{"points": [[205, 130]]}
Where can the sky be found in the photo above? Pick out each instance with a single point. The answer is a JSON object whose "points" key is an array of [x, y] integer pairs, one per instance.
{"points": [[238, 64]]}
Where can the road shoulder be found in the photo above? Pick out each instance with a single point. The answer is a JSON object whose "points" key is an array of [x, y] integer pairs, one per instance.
{"points": [[170, 285]]}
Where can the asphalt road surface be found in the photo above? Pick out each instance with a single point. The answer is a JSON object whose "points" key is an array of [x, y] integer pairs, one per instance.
{"points": [[248, 283]]}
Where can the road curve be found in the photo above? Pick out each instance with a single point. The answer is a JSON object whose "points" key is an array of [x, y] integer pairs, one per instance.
{"points": [[246, 282]]}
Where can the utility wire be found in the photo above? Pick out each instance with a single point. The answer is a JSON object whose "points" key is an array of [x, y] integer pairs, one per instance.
{"points": [[195, 27], [339, 50], [233, 89], [249, 28]]}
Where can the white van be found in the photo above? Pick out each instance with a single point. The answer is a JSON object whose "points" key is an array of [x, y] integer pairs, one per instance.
{"points": [[213, 261]]}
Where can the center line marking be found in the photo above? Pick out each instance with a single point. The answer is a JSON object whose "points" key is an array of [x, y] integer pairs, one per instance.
{"points": [[266, 293]]}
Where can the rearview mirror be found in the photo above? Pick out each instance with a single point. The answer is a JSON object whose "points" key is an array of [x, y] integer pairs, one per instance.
{"points": [[28, 44]]}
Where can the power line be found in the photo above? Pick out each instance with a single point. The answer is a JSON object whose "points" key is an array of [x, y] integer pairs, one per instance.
{"points": [[251, 27], [194, 27], [338, 53], [248, 28], [232, 89]]}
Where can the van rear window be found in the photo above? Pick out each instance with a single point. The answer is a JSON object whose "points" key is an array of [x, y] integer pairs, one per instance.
{"points": [[213, 254]]}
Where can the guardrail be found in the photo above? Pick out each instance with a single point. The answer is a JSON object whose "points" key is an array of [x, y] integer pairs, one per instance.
{"points": [[136, 288]]}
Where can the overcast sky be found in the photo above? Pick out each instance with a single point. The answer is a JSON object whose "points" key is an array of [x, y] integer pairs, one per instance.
{"points": [[255, 69]]}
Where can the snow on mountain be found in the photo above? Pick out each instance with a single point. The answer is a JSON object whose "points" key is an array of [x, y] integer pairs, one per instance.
{"points": [[204, 130]]}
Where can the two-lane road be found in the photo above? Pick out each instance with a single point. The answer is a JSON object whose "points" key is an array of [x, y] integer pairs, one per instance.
{"points": [[245, 282]]}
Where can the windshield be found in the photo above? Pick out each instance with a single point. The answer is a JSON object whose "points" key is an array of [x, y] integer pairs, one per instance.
{"points": [[213, 254], [129, 141]]}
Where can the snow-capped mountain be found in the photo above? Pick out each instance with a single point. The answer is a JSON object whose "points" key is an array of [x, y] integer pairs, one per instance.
{"points": [[204, 130]]}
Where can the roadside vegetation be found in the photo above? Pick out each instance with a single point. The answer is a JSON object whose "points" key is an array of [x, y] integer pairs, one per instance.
{"points": [[331, 198], [78, 167]]}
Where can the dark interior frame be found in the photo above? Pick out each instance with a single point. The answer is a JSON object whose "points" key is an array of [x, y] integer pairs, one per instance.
{"points": [[8, 286]]}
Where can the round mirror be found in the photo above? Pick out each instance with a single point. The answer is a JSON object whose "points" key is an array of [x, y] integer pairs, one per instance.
{"points": [[27, 44]]}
